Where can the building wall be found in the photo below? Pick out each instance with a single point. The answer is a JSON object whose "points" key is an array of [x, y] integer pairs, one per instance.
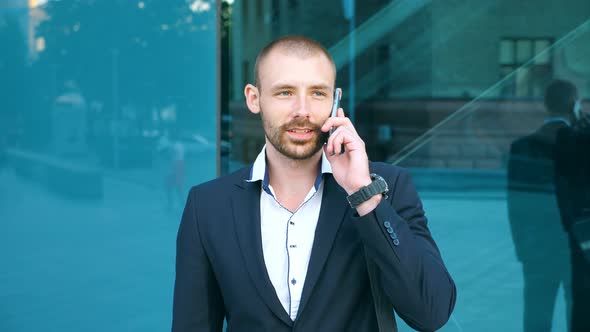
{"points": [[446, 49], [467, 60]]}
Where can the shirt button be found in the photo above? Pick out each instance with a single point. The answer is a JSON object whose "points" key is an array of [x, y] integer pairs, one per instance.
{"points": [[293, 281], [292, 246], [292, 223]]}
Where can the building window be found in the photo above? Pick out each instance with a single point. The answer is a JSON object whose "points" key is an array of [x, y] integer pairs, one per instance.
{"points": [[531, 62]]}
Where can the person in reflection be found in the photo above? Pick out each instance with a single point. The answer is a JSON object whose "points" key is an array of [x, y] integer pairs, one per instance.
{"points": [[286, 244], [572, 179], [539, 239], [174, 149]]}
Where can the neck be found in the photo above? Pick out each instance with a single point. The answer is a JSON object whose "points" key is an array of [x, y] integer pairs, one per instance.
{"points": [[289, 175]]}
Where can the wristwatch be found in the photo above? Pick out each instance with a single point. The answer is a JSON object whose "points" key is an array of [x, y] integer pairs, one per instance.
{"points": [[378, 186]]}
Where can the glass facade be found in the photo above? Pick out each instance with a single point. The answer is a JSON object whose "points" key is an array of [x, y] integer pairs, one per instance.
{"points": [[451, 90], [109, 113], [112, 110]]}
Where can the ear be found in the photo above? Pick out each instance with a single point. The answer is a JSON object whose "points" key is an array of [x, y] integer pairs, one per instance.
{"points": [[252, 98]]}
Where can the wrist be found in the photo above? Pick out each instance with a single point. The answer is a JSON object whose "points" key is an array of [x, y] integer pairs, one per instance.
{"points": [[368, 206], [377, 187], [365, 181]]}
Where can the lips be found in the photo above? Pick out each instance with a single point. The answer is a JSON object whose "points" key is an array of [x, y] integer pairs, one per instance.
{"points": [[301, 133], [300, 130]]}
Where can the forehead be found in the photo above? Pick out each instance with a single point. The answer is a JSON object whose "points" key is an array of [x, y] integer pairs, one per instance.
{"points": [[279, 66]]}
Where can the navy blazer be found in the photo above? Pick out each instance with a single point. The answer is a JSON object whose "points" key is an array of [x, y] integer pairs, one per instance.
{"points": [[220, 270]]}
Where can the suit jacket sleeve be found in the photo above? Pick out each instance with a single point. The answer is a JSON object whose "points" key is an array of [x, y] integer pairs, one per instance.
{"points": [[413, 274], [198, 305], [563, 172]]}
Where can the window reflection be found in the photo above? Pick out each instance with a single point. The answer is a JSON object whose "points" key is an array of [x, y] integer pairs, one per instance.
{"points": [[446, 91]]}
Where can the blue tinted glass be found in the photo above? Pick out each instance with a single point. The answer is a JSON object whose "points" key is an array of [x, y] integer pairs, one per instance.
{"points": [[463, 94], [108, 116]]}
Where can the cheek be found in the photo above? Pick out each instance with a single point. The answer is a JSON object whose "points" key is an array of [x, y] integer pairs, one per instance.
{"points": [[269, 122], [274, 114], [322, 110]]}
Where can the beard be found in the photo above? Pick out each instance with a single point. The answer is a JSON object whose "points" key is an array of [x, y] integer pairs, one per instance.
{"points": [[290, 147]]}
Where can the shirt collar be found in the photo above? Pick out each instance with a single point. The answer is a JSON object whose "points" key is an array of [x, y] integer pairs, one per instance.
{"points": [[557, 119], [259, 172]]}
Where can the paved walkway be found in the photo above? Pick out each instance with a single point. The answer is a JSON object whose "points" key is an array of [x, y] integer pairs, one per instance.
{"points": [[109, 265]]}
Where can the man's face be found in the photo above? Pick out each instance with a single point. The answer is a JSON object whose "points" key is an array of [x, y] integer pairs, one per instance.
{"points": [[295, 99]]}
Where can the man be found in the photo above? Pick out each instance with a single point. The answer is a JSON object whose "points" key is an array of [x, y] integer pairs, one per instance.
{"points": [[572, 176], [540, 242], [277, 246]]}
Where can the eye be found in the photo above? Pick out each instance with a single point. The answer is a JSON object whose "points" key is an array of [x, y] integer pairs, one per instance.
{"points": [[318, 94], [285, 93]]}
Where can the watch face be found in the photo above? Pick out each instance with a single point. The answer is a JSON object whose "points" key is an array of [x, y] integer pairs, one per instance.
{"points": [[380, 183]]}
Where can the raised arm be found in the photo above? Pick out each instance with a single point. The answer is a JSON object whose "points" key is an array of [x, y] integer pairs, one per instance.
{"points": [[413, 274]]}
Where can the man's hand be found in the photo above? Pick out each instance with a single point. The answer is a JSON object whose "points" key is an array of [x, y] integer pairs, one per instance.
{"points": [[350, 168]]}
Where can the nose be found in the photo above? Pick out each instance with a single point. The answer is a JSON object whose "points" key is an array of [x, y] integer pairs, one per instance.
{"points": [[301, 107]]}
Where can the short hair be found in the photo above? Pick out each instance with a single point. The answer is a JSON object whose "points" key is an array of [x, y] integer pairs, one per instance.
{"points": [[560, 96], [294, 44]]}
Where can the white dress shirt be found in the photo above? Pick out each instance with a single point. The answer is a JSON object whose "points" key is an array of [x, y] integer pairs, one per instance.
{"points": [[287, 236]]}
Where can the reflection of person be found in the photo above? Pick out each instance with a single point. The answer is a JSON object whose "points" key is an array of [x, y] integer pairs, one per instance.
{"points": [[69, 120], [176, 173], [277, 247], [572, 175], [540, 242]]}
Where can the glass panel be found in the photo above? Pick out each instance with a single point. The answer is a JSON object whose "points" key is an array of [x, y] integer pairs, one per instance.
{"points": [[507, 52], [523, 79], [524, 50], [445, 104], [108, 116], [507, 77], [540, 56]]}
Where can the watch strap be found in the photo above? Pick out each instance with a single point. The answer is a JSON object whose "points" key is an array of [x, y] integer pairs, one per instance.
{"points": [[378, 186]]}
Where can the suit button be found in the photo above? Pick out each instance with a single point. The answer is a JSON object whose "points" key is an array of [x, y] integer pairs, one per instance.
{"points": [[393, 236], [396, 242], [389, 230], [387, 224]]}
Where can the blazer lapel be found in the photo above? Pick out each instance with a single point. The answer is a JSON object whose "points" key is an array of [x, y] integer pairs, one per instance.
{"points": [[331, 216], [246, 215]]}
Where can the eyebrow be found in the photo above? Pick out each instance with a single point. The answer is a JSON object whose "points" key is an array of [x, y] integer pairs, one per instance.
{"points": [[291, 87], [320, 87], [282, 87]]}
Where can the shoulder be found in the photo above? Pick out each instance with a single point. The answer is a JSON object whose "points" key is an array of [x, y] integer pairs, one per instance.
{"points": [[391, 173], [402, 189], [520, 142], [526, 143], [222, 184]]}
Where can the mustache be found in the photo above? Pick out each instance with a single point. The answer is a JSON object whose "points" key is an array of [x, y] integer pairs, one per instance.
{"points": [[301, 124]]}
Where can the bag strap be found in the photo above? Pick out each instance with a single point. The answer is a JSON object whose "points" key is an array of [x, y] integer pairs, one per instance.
{"points": [[383, 309]]}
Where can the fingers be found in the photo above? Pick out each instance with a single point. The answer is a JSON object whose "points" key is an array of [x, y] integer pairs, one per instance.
{"points": [[343, 139], [334, 144], [339, 121]]}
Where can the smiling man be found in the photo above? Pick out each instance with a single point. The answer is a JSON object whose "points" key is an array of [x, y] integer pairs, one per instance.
{"points": [[311, 237]]}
